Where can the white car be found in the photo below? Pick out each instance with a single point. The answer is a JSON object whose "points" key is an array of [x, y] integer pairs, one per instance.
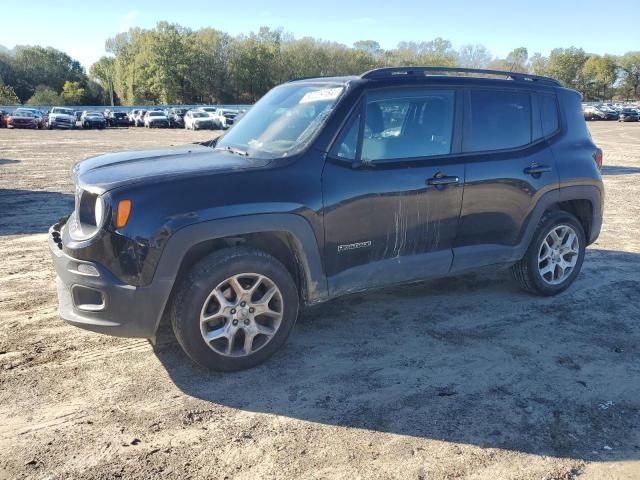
{"points": [[156, 119], [61, 117], [212, 112], [198, 120], [225, 117]]}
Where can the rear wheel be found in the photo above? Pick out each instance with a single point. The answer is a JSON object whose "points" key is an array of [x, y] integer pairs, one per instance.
{"points": [[554, 257], [234, 309]]}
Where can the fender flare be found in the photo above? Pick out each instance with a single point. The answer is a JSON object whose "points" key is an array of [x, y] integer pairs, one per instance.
{"points": [[306, 249]]}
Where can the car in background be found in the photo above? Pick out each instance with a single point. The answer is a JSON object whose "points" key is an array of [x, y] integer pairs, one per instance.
{"points": [[591, 112], [138, 120], [628, 115], [156, 119], [176, 117], [132, 116], [3, 118], [198, 120], [61, 117], [225, 117], [93, 119], [23, 118], [41, 117], [118, 119], [610, 112]]}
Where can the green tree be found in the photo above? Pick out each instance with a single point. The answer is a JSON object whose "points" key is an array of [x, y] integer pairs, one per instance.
{"points": [[565, 65], [630, 68], [8, 96], [45, 96], [600, 73], [73, 93]]}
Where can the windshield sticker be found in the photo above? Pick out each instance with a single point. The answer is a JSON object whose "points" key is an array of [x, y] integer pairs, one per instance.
{"points": [[321, 95]]}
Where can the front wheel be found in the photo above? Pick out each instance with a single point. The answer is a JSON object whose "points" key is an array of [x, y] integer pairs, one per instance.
{"points": [[554, 257], [235, 308]]}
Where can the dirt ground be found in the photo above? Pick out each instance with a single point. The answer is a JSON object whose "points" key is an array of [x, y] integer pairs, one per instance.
{"points": [[465, 377]]}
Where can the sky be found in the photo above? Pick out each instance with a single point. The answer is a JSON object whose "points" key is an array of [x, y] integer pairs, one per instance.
{"points": [[81, 28]]}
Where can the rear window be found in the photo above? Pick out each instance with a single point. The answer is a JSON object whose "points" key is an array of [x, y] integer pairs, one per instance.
{"points": [[499, 120], [549, 113]]}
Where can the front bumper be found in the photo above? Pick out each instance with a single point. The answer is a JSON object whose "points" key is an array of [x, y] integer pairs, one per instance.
{"points": [[92, 298], [61, 123]]}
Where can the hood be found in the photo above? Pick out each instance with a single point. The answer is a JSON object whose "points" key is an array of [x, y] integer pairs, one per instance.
{"points": [[106, 172]]}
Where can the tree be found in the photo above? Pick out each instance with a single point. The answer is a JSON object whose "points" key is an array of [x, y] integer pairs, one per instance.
{"points": [[630, 68], [565, 65], [371, 47], [474, 56], [600, 73], [73, 93], [45, 96], [35, 66], [8, 96]]}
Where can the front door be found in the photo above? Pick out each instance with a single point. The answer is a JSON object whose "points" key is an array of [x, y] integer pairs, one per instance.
{"points": [[392, 188]]}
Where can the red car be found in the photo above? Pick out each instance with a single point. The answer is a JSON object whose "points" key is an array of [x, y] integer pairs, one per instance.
{"points": [[23, 119], [3, 118]]}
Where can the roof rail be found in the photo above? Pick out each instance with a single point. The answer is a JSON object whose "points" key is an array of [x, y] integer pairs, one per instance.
{"points": [[410, 71]]}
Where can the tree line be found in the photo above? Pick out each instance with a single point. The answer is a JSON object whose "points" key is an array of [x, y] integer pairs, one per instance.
{"points": [[172, 64]]}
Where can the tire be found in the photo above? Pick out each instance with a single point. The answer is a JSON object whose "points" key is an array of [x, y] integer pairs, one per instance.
{"points": [[196, 294], [527, 272]]}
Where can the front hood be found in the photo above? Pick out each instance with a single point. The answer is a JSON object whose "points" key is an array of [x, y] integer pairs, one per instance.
{"points": [[106, 172]]}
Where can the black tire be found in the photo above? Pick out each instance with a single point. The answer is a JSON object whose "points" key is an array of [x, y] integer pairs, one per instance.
{"points": [[526, 271], [203, 278]]}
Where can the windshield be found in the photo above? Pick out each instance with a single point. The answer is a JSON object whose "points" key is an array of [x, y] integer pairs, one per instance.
{"points": [[199, 114], [284, 121], [63, 111], [156, 114]]}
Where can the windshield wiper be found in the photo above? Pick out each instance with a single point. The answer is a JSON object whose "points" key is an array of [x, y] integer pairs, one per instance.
{"points": [[237, 151]]}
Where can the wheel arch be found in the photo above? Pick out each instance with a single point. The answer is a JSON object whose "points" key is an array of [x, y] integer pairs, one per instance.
{"points": [[287, 237]]}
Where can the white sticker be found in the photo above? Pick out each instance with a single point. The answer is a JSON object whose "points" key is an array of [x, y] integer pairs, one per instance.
{"points": [[320, 95]]}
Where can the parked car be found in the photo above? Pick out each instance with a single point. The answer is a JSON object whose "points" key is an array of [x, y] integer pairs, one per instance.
{"points": [[156, 119], [591, 112], [61, 117], [138, 121], [198, 120], [4, 114], [326, 187], [23, 118], [92, 119], [208, 110], [40, 116], [224, 117], [628, 115], [176, 117], [118, 119], [132, 116]]}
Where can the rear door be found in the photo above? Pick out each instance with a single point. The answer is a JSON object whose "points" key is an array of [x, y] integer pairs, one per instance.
{"points": [[392, 189], [509, 167]]}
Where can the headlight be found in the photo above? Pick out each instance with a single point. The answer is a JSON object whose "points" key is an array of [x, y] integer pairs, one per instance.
{"points": [[99, 211]]}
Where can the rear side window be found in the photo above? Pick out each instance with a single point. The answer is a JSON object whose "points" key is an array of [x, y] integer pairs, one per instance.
{"points": [[499, 120], [549, 114]]}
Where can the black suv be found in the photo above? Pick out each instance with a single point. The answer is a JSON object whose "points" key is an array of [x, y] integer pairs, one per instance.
{"points": [[329, 186]]}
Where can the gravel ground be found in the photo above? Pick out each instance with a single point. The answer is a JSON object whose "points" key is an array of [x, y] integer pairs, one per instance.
{"points": [[465, 377]]}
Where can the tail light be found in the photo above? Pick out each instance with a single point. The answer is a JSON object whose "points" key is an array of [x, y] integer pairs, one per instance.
{"points": [[597, 157]]}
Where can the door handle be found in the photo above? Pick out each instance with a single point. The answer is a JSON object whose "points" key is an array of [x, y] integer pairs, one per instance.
{"points": [[441, 179], [535, 169]]}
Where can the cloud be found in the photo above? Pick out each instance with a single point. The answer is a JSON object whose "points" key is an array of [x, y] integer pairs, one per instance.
{"points": [[126, 22]]}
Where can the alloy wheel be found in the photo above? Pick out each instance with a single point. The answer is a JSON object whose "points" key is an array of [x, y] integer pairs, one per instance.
{"points": [[241, 315], [558, 254]]}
